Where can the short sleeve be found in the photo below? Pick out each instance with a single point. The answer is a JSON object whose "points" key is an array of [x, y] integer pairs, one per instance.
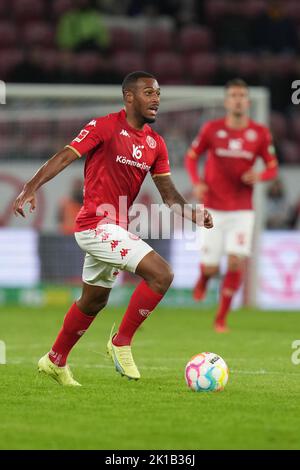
{"points": [[201, 143], [161, 166], [88, 138]]}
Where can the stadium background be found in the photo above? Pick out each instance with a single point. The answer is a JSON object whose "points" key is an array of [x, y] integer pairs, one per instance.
{"points": [[184, 43]]}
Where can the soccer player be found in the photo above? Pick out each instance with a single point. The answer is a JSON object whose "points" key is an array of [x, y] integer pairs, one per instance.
{"points": [[233, 144], [121, 148]]}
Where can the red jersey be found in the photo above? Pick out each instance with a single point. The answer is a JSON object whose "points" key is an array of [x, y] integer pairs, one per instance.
{"points": [[230, 153], [118, 160]]}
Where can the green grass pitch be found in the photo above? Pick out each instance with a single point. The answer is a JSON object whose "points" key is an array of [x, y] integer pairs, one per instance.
{"points": [[259, 409]]}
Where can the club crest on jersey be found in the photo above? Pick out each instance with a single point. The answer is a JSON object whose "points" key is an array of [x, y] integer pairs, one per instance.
{"points": [[235, 144], [82, 135], [151, 142], [136, 151], [250, 135]]}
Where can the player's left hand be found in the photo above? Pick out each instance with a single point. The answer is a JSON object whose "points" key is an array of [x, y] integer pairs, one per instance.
{"points": [[250, 177], [208, 220]]}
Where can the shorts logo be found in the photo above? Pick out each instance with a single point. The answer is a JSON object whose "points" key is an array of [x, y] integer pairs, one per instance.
{"points": [[136, 152], [124, 252], [114, 244], [82, 135], [145, 313], [151, 142]]}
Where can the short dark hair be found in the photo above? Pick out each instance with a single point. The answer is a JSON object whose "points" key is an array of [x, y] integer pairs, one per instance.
{"points": [[236, 82], [131, 79]]}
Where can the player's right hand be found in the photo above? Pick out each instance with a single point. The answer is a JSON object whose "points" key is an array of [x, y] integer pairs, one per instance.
{"points": [[199, 191], [27, 196]]}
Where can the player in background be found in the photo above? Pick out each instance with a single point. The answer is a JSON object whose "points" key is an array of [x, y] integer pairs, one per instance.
{"points": [[233, 144], [121, 149]]}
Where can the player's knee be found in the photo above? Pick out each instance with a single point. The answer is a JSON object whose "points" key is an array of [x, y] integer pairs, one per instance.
{"points": [[163, 279]]}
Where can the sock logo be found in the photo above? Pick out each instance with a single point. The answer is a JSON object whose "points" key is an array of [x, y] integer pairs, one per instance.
{"points": [[81, 332], [144, 312]]}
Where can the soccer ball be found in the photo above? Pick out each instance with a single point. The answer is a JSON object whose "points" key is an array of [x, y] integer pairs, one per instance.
{"points": [[206, 372]]}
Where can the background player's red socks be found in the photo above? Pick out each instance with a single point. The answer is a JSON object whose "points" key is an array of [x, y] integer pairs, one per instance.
{"points": [[231, 284], [142, 302], [74, 326]]}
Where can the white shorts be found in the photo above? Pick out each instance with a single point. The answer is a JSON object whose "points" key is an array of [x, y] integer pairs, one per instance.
{"points": [[231, 234], [109, 248]]}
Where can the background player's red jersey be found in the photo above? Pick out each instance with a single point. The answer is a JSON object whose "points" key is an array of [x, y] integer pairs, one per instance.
{"points": [[118, 160], [230, 153]]}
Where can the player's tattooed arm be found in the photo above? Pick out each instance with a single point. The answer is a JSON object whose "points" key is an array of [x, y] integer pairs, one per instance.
{"points": [[172, 198], [45, 173]]}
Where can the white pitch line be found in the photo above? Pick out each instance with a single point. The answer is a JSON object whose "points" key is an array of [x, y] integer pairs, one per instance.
{"points": [[262, 372], [87, 366]]}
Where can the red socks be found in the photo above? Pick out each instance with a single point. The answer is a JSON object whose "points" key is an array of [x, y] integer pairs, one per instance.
{"points": [[74, 326], [142, 302], [231, 284]]}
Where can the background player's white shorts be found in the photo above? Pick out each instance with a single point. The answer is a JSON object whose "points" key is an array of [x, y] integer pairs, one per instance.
{"points": [[231, 234], [109, 248]]}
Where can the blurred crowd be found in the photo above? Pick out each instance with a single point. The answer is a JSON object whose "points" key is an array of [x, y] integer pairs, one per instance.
{"points": [[280, 213], [204, 42]]}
